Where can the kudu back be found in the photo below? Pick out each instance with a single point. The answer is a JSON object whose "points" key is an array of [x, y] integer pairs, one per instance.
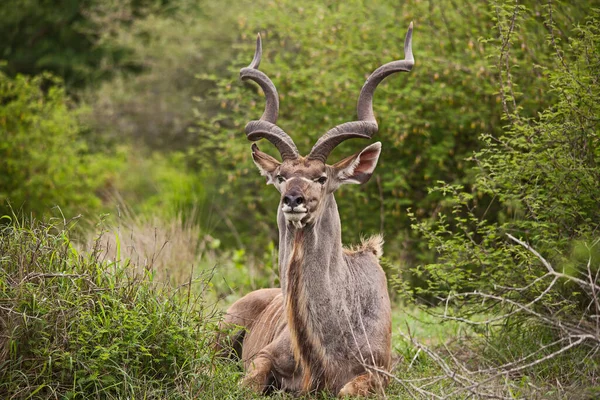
{"points": [[329, 325]]}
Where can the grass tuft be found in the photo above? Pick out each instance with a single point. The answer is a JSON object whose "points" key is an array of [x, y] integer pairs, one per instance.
{"points": [[74, 326]]}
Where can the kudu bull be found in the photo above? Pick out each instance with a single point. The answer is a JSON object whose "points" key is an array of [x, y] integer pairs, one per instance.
{"points": [[329, 326]]}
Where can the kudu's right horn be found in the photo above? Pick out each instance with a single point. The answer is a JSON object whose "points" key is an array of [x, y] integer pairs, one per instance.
{"points": [[366, 125], [265, 127]]}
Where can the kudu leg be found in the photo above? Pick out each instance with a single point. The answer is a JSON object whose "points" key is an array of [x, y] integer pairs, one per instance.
{"points": [[258, 374], [242, 314], [364, 385]]}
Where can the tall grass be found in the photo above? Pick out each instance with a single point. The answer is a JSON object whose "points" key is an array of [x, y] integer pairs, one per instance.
{"points": [[73, 325], [170, 249], [174, 248]]}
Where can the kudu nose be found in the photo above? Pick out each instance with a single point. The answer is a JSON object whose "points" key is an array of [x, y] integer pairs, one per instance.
{"points": [[293, 200]]}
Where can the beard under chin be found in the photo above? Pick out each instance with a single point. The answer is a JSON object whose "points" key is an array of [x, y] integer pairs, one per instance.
{"points": [[298, 220]]}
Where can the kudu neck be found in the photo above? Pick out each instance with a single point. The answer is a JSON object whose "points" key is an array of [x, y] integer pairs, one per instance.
{"points": [[320, 241], [312, 272]]}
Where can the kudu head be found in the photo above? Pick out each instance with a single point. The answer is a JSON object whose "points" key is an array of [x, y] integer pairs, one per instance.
{"points": [[304, 182]]}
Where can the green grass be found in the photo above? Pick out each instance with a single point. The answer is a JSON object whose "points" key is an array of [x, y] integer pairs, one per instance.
{"points": [[74, 326]]}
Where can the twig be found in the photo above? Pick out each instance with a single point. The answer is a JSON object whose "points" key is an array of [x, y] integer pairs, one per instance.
{"points": [[550, 269], [381, 204]]}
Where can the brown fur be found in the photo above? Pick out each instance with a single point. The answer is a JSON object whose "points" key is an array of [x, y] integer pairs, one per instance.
{"points": [[330, 327], [331, 318]]}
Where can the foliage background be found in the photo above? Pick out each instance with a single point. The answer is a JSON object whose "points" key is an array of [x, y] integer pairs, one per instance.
{"points": [[130, 114]]}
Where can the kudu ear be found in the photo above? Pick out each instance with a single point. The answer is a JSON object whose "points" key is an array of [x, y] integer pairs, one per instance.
{"points": [[359, 167], [266, 164]]}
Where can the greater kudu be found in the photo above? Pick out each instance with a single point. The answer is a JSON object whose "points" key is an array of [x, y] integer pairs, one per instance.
{"points": [[329, 326]]}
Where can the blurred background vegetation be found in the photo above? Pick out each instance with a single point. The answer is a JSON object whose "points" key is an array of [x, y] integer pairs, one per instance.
{"points": [[129, 115], [137, 105]]}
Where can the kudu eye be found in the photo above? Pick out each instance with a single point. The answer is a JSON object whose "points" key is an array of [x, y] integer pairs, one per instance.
{"points": [[280, 178], [322, 180]]}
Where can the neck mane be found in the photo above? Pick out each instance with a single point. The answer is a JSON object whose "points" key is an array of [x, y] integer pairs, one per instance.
{"points": [[312, 271]]}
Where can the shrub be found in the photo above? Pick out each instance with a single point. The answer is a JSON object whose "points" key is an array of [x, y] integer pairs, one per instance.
{"points": [[540, 173], [174, 248], [44, 162], [74, 326], [62, 37], [155, 95], [319, 54], [533, 265], [155, 184]]}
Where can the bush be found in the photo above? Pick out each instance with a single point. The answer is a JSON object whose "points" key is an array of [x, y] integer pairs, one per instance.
{"points": [[541, 174], [62, 37], [155, 184], [74, 326], [319, 54], [156, 103], [531, 267], [44, 161], [174, 248]]}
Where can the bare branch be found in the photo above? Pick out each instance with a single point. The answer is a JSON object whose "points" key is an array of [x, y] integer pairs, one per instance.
{"points": [[591, 285]]}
